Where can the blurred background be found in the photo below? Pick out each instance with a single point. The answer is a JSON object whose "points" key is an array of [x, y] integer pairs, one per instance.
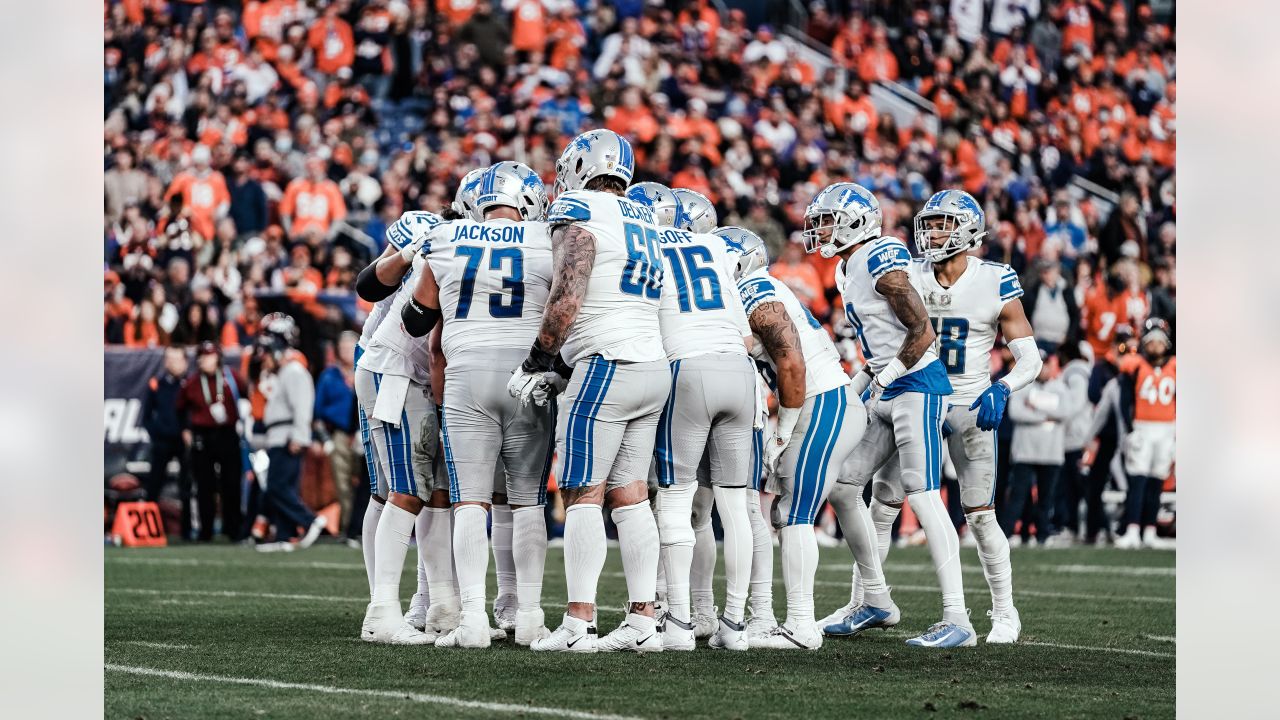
{"points": [[256, 152]]}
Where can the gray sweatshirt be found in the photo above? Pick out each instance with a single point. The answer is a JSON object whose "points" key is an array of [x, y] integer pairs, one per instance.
{"points": [[1076, 378], [287, 415], [1038, 412]]}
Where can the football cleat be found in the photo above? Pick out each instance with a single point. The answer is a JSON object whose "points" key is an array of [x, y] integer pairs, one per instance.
{"points": [[632, 635], [760, 625], [1152, 541], [839, 615], [729, 635], [864, 617], [381, 621], [504, 612], [441, 617], [1005, 626], [317, 526], [273, 547], [530, 626], [945, 635], [417, 615], [704, 621], [805, 637], [407, 634], [573, 635], [677, 634], [473, 631]]}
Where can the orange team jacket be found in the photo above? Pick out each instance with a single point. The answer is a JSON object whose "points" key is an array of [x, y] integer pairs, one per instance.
{"points": [[203, 196], [1103, 314], [312, 205], [1155, 389]]}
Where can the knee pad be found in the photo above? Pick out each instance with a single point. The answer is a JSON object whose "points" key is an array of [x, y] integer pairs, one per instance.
{"points": [[674, 511], [888, 492], [703, 499]]}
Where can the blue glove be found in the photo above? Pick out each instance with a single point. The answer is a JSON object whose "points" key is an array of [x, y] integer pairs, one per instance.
{"points": [[990, 406]]}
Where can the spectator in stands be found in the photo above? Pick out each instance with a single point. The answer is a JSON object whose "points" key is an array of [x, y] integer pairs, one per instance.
{"points": [[165, 429], [335, 420], [1038, 412], [792, 269], [209, 399], [312, 203], [123, 183], [249, 210], [203, 192], [1050, 304], [1071, 488]]}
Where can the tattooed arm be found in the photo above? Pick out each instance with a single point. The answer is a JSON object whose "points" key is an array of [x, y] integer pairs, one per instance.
{"points": [[573, 255], [906, 304], [780, 338]]}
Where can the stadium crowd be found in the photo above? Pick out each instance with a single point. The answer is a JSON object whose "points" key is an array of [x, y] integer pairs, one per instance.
{"points": [[255, 153]]}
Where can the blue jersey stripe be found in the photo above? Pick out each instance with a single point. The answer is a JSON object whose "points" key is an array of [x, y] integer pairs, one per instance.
{"points": [[568, 468]]}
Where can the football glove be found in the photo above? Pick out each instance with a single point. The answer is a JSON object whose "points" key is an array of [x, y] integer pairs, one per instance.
{"points": [[990, 406], [787, 419]]}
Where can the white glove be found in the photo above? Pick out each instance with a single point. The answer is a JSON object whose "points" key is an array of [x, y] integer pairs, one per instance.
{"points": [[408, 251], [523, 385], [762, 405], [874, 390], [548, 386], [787, 419]]}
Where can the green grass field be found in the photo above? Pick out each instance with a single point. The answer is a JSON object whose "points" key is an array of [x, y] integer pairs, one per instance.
{"points": [[223, 632]]}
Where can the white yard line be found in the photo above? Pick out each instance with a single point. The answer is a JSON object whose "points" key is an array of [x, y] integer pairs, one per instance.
{"points": [[1126, 651], [236, 594], [1114, 570], [155, 645], [194, 562], [490, 707], [1162, 638]]}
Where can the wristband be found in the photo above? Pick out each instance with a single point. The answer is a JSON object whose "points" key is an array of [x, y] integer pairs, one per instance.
{"points": [[894, 370], [539, 360]]}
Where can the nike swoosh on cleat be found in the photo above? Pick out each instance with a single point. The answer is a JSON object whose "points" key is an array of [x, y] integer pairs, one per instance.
{"points": [[647, 639], [575, 642], [794, 641]]}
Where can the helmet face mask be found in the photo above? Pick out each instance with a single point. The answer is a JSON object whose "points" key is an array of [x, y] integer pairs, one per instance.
{"points": [[511, 184], [954, 217], [591, 155], [839, 217], [659, 197], [746, 246]]}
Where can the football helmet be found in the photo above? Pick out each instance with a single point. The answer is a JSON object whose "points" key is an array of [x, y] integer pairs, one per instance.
{"points": [[849, 211], [593, 154], [746, 247], [962, 221], [464, 199], [512, 184], [666, 207], [697, 213]]}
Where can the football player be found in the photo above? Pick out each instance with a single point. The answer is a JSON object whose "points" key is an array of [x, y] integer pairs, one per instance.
{"points": [[1148, 406], [489, 282], [820, 421], [708, 417], [602, 317], [399, 235], [969, 301], [906, 388], [392, 379]]}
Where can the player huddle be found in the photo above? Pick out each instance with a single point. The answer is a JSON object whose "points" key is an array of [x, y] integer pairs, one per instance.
{"points": [[620, 331]]}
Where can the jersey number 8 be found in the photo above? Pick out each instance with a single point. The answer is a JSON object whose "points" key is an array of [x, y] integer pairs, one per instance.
{"points": [[509, 259], [643, 272], [952, 333]]}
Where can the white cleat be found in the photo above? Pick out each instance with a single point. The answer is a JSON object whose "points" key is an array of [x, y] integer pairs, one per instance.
{"points": [[407, 634], [704, 621], [677, 634], [759, 626], [573, 635], [441, 618], [1130, 540], [317, 526], [381, 621], [729, 636], [504, 612], [805, 637], [839, 615], [417, 615], [946, 634], [1153, 541], [1005, 627], [274, 547], [530, 626], [472, 632], [637, 633]]}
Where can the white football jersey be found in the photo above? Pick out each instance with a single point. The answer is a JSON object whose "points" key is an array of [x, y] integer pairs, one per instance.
{"points": [[494, 278], [823, 371], [879, 332], [701, 310], [966, 317], [392, 351], [401, 233], [619, 315]]}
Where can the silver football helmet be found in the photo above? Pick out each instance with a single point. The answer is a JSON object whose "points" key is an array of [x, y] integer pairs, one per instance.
{"points": [[512, 184], [955, 217], [849, 211], [746, 247], [464, 200], [593, 154], [697, 213], [666, 207]]}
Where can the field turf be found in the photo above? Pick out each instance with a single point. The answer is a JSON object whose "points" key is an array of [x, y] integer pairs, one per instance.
{"points": [[223, 632]]}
